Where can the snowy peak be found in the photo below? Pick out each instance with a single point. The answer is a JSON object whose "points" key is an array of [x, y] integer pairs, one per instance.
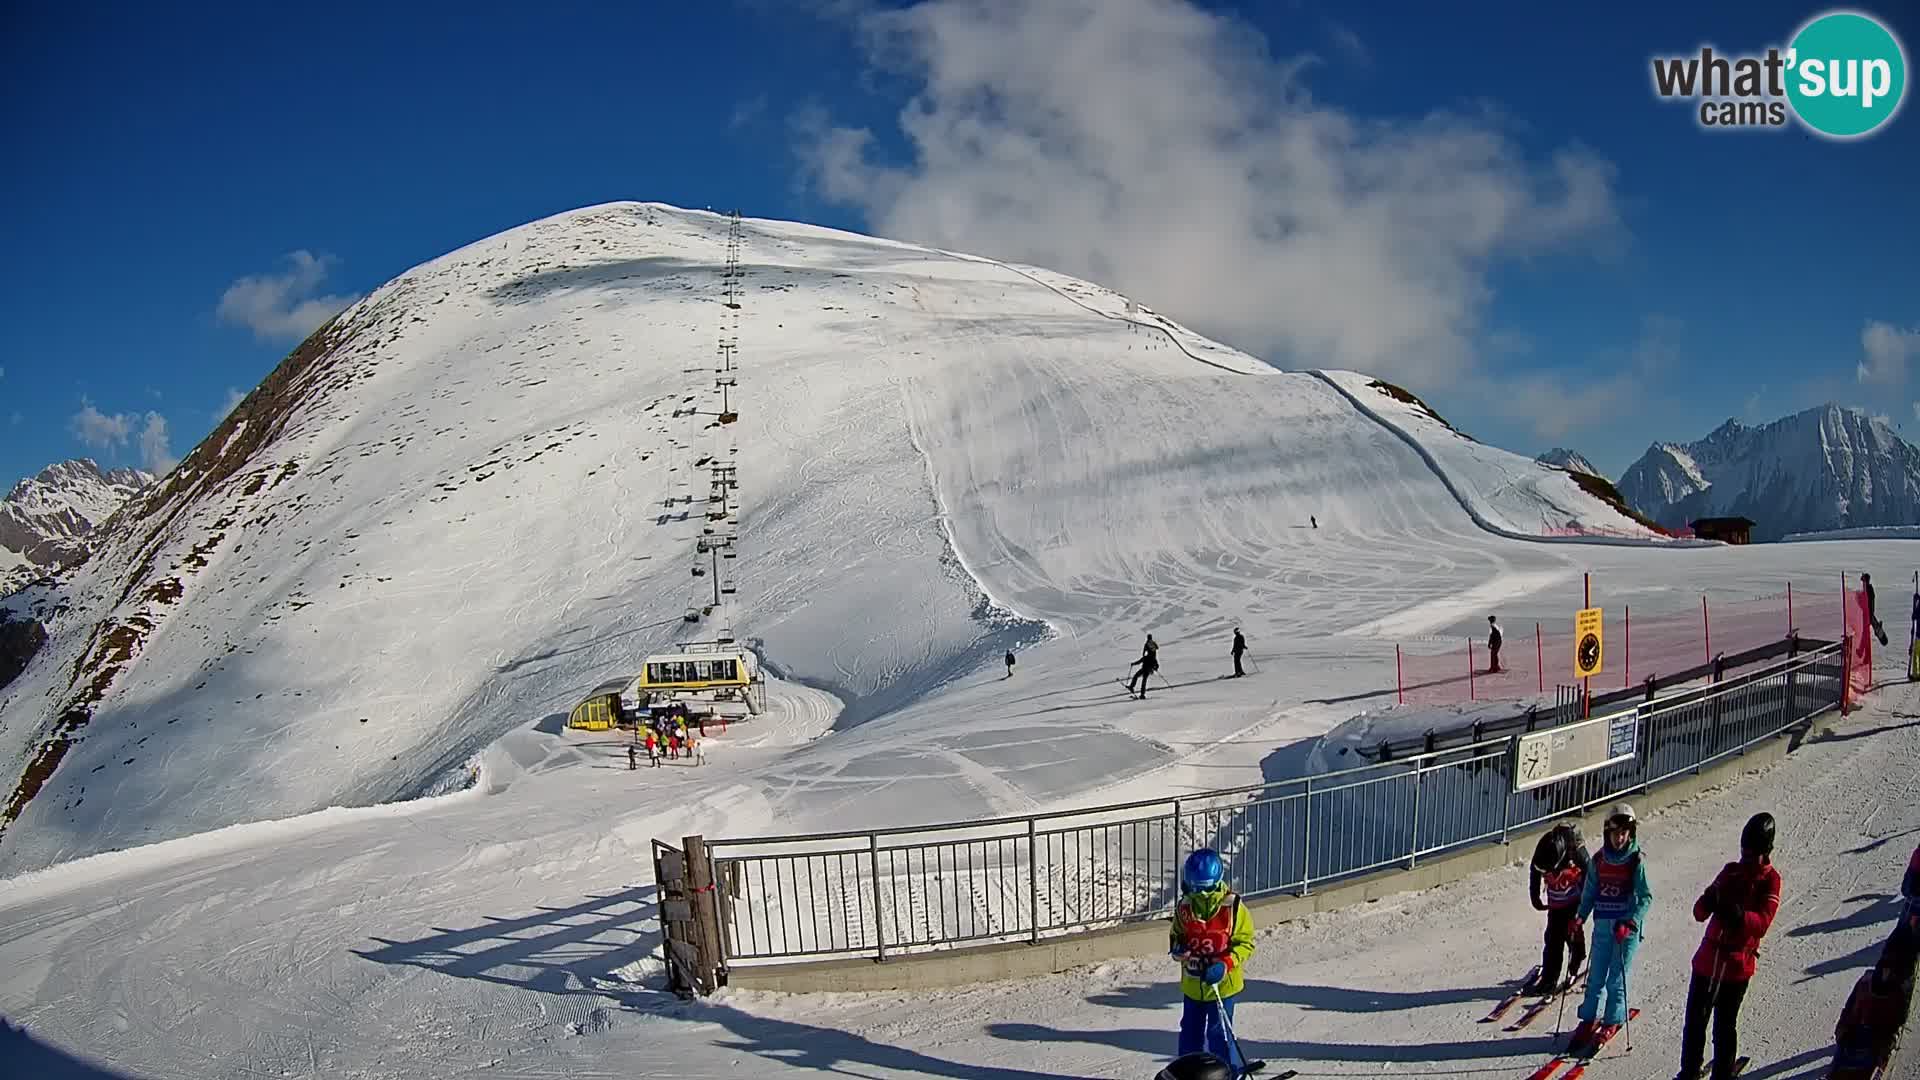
{"points": [[46, 520], [1824, 468], [1561, 458]]}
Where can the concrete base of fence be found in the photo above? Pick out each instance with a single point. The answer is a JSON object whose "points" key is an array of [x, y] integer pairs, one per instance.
{"points": [[994, 963]]}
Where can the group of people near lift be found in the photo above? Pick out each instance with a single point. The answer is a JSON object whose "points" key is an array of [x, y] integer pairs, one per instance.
{"points": [[666, 735], [1212, 938]]}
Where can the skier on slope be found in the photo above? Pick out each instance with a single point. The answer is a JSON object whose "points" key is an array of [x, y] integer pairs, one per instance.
{"points": [[1239, 650], [1494, 638], [1148, 663], [1561, 865], [1617, 896], [1870, 1023], [1009, 663], [1738, 908], [1866, 586], [1211, 937]]}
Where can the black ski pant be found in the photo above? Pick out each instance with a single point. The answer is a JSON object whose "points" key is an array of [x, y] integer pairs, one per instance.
{"points": [[1563, 934], [1493, 653], [1719, 998], [1237, 669]]}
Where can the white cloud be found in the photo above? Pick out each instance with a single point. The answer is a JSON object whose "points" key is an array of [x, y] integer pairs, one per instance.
{"points": [[1554, 403], [101, 431], [3, 373], [155, 455], [1349, 44], [98, 430], [234, 398], [1161, 150], [282, 306], [1887, 350]]}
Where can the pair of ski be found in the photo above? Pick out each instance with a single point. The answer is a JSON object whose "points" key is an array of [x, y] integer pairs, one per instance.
{"points": [[1579, 1055], [1533, 1010]]}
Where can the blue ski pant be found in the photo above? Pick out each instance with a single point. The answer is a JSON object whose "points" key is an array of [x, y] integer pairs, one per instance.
{"points": [[1607, 969], [1201, 1029]]}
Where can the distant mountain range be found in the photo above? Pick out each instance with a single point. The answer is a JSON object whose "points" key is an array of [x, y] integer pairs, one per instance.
{"points": [[46, 520], [1562, 458], [1822, 469]]}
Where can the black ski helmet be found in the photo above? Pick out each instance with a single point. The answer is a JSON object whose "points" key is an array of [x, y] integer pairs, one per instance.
{"points": [[1757, 837], [1551, 851], [1198, 1065]]}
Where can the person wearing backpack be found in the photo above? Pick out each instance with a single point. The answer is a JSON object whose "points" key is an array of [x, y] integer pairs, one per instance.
{"points": [[1560, 866]]}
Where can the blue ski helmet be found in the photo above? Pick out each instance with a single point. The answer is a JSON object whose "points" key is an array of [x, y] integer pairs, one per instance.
{"points": [[1203, 871]]}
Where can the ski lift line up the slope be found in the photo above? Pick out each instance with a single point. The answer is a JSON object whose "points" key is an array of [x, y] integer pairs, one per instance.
{"points": [[720, 528]]}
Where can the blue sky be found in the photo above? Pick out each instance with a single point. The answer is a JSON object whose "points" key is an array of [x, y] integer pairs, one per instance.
{"points": [[1556, 258]]}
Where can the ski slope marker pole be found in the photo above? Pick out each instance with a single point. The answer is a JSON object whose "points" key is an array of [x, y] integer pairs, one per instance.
{"points": [[1399, 676], [1539, 660]]}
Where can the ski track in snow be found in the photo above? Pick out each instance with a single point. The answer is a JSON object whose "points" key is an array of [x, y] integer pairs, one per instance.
{"points": [[941, 457]]}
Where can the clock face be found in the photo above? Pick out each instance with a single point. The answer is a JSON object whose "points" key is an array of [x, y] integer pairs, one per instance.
{"points": [[1589, 652], [1533, 761]]}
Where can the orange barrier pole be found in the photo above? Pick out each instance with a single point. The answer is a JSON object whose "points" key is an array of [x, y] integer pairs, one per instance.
{"points": [[1539, 660], [1789, 607], [1628, 680], [1470, 696], [1399, 677]]}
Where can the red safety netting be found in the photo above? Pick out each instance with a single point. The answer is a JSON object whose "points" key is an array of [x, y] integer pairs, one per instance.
{"points": [[1536, 657], [1860, 656]]}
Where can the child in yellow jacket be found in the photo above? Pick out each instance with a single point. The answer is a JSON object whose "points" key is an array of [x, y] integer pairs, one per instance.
{"points": [[1212, 937]]}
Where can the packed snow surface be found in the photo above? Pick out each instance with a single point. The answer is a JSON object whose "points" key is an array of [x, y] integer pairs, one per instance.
{"points": [[477, 494], [514, 936]]}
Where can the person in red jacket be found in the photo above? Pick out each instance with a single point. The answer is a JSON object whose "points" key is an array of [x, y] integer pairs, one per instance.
{"points": [[1874, 1014], [1738, 908]]}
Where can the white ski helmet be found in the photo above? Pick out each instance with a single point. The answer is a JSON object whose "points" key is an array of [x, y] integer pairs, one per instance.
{"points": [[1621, 817]]}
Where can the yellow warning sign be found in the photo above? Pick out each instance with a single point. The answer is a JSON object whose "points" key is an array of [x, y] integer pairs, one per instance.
{"points": [[1589, 640]]}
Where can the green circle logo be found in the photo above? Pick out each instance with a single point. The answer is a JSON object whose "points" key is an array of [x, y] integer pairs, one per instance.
{"points": [[1846, 74]]}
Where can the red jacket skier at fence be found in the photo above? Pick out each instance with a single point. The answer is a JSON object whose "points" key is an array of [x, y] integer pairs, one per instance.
{"points": [[1738, 908]]}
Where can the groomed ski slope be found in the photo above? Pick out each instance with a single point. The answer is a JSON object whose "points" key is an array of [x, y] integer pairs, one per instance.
{"points": [[510, 937], [451, 520]]}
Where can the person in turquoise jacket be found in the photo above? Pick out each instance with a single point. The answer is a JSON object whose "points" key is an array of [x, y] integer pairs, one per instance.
{"points": [[1617, 896], [1211, 937]]}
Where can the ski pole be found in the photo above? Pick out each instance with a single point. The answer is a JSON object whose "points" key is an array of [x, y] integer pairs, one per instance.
{"points": [[1227, 1026]]}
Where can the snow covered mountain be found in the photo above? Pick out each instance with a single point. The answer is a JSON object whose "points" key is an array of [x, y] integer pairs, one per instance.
{"points": [[479, 491], [1562, 458], [1822, 469], [46, 520]]}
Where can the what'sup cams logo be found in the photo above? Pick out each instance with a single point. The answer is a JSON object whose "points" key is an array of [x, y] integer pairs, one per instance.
{"points": [[1842, 76]]}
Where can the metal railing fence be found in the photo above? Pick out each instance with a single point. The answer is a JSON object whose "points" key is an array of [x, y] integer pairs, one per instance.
{"points": [[888, 891]]}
